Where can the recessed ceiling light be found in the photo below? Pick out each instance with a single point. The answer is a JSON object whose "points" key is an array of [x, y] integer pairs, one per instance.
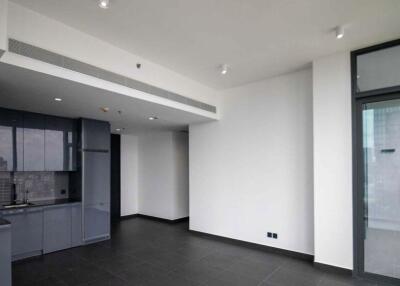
{"points": [[57, 99], [224, 69], [118, 129], [105, 109], [153, 118], [104, 4], [339, 32]]}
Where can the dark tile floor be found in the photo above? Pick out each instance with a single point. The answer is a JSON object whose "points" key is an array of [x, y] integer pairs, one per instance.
{"points": [[147, 252]]}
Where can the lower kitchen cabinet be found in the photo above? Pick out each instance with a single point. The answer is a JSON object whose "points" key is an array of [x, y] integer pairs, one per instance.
{"points": [[37, 230], [76, 225], [5, 253], [57, 228], [62, 227], [96, 222], [26, 231]]}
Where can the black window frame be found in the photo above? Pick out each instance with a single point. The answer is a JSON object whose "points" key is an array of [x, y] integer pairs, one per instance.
{"points": [[358, 100]]}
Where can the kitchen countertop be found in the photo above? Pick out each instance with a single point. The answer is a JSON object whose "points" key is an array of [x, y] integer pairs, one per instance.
{"points": [[44, 203], [4, 223]]}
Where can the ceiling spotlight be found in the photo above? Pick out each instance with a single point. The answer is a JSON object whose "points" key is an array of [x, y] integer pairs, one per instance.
{"points": [[105, 109], [118, 129], [104, 4], [153, 118], [58, 99], [339, 32], [224, 69]]}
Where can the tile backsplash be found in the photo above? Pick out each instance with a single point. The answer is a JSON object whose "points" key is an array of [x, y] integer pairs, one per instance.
{"points": [[39, 185]]}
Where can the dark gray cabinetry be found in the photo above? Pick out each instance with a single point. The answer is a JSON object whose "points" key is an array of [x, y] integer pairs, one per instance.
{"points": [[76, 225], [11, 140], [5, 253], [95, 135], [26, 231], [57, 228], [97, 222], [96, 178], [36, 142], [34, 139], [62, 227], [60, 144], [37, 230], [95, 175]]}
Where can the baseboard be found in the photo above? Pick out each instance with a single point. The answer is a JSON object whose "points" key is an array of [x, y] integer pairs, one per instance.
{"points": [[128, 216], [332, 269], [294, 254], [155, 218]]}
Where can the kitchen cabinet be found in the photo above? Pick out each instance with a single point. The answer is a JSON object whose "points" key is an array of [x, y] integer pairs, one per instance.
{"points": [[37, 230], [26, 231], [5, 253], [96, 177], [95, 135], [34, 141], [96, 222], [60, 144], [57, 228], [11, 140], [76, 225]]}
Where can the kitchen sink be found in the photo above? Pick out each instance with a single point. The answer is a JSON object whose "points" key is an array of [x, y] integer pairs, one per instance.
{"points": [[17, 206]]}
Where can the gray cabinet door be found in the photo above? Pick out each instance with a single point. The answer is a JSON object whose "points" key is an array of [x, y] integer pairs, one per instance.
{"points": [[76, 227], [34, 142], [95, 135], [5, 255], [60, 144], [18, 232], [11, 152], [96, 221], [96, 178], [57, 228], [34, 229], [26, 231]]}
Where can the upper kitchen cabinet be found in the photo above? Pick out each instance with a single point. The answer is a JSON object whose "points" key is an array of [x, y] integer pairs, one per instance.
{"points": [[95, 135], [11, 140], [34, 139], [60, 144]]}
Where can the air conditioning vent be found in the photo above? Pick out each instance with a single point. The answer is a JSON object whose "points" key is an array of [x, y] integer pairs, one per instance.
{"points": [[43, 55]]}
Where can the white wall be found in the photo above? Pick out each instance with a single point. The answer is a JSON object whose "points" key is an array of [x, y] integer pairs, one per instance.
{"points": [[252, 171], [129, 175], [333, 161], [163, 175]]}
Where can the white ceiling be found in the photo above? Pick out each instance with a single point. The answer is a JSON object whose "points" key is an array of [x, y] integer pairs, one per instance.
{"points": [[24, 89], [257, 38]]}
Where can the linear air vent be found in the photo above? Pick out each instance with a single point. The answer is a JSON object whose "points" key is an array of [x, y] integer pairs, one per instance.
{"points": [[43, 55]]}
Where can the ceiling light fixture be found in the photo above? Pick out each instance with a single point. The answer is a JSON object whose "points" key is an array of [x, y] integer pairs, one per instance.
{"points": [[58, 99], [339, 32], [118, 129], [104, 4], [224, 69], [153, 118]]}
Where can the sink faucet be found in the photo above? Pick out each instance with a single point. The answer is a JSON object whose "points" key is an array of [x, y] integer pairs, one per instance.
{"points": [[14, 193], [26, 196]]}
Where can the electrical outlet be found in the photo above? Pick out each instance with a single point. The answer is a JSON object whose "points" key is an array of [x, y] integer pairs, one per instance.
{"points": [[269, 234], [275, 235]]}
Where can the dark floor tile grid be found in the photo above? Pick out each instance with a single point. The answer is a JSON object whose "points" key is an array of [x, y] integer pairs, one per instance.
{"points": [[143, 252]]}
